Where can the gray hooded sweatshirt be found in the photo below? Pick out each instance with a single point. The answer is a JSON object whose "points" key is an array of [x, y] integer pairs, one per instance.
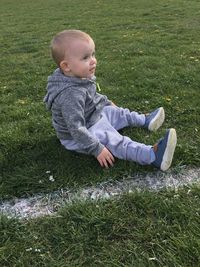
{"points": [[75, 106]]}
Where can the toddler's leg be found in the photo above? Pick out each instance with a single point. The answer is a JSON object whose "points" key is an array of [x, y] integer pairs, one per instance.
{"points": [[120, 117], [120, 146]]}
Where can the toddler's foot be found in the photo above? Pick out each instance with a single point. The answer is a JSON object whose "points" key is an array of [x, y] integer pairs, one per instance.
{"points": [[155, 119], [164, 150]]}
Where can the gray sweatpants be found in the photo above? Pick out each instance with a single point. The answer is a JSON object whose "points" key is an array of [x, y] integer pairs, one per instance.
{"points": [[106, 131]]}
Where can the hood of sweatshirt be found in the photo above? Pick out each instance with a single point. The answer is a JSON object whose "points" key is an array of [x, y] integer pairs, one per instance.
{"points": [[58, 82]]}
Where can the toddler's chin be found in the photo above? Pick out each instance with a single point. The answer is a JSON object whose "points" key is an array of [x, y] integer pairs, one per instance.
{"points": [[90, 76]]}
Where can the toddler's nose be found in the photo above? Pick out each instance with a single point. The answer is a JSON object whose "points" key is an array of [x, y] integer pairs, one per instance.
{"points": [[93, 61]]}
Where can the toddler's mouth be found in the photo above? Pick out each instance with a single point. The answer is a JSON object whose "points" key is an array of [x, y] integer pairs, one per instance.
{"points": [[93, 69]]}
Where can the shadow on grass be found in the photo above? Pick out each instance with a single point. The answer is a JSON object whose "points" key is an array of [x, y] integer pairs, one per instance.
{"points": [[42, 166]]}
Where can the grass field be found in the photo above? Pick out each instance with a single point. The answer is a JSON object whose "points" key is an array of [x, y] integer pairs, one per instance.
{"points": [[148, 56]]}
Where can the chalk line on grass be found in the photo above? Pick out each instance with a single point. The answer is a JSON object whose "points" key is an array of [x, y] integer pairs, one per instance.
{"points": [[49, 204]]}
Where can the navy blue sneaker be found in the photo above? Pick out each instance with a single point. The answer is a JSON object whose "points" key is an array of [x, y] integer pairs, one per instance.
{"points": [[164, 150], [155, 119]]}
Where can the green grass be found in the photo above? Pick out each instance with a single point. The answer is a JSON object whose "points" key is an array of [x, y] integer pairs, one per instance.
{"points": [[141, 229], [148, 56]]}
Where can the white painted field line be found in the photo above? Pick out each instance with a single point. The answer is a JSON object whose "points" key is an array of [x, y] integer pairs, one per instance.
{"points": [[49, 204]]}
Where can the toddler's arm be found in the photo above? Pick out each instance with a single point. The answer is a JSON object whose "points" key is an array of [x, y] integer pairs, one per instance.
{"points": [[105, 158]]}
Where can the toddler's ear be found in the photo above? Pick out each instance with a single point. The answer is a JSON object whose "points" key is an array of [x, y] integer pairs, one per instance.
{"points": [[64, 66]]}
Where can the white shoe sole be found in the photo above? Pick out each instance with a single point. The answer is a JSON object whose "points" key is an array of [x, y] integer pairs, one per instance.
{"points": [[157, 121], [169, 151]]}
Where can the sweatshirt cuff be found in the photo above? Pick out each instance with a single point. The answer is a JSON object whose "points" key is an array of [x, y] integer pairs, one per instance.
{"points": [[98, 150], [109, 103]]}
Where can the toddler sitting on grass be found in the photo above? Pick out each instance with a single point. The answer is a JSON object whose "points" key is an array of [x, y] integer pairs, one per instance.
{"points": [[88, 122]]}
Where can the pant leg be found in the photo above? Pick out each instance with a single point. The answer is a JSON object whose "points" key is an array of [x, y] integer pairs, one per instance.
{"points": [[120, 146], [120, 118]]}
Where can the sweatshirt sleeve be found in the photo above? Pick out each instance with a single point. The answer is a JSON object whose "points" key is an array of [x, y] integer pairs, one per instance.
{"points": [[72, 108]]}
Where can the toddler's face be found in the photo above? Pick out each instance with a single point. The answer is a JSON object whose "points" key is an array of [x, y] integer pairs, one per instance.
{"points": [[81, 59]]}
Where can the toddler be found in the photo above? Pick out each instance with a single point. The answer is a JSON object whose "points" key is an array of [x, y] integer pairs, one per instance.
{"points": [[88, 122]]}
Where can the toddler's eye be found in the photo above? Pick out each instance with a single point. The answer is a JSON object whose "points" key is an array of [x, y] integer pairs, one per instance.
{"points": [[85, 57]]}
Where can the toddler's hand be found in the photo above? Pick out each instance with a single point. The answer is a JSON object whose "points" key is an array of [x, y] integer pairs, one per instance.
{"points": [[105, 158], [113, 104]]}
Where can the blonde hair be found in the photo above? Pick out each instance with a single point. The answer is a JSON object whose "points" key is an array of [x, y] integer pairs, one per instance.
{"points": [[61, 41]]}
